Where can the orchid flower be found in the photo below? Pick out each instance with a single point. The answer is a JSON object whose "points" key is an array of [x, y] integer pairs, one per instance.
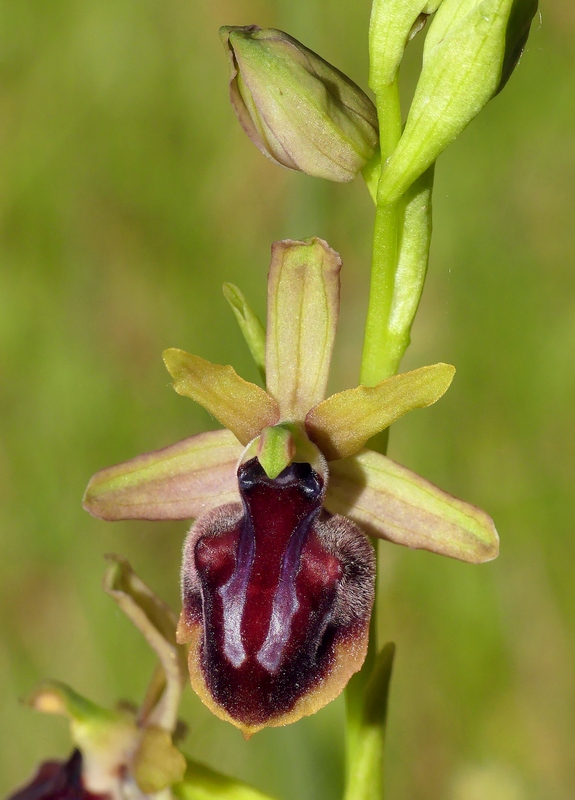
{"points": [[278, 570], [122, 752], [127, 752]]}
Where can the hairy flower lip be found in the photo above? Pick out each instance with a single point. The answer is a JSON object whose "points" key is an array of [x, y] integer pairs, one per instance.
{"points": [[282, 616]]}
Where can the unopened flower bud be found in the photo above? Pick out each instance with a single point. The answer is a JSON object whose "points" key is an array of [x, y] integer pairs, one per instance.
{"points": [[298, 110]]}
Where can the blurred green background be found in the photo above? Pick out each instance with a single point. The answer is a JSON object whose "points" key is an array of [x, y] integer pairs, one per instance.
{"points": [[128, 194]]}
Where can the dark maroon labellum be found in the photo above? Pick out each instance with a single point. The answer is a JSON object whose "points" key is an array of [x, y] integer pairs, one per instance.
{"points": [[58, 780], [278, 586]]}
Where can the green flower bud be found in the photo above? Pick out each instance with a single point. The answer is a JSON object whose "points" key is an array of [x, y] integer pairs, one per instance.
{"points": [[296, 108], [470, 51]]}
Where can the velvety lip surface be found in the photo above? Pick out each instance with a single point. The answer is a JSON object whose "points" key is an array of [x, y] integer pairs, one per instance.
{"points": [[268, 587]]}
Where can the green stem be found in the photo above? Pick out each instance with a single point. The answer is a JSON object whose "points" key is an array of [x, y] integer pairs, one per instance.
{"points": [[366, 738], [401, 239], [398, 267], [386, 235], [374, 366], [389, 115]]}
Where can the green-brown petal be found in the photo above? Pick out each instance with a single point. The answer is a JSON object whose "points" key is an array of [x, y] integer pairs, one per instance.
{"points": [[240, 406], [342, 424], [252, 329]]}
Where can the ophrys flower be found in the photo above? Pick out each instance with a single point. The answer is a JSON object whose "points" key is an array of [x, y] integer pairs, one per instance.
{"points": [[277, 577]]}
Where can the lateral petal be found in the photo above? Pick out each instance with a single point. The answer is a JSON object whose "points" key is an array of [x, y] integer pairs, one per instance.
{"points": [[303, 307], [252, 329], [177, 482], [240, 406], [390, 502], [342, 424]]}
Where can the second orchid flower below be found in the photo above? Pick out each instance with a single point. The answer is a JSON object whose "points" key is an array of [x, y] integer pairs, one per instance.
{"points": [[278, 573]]}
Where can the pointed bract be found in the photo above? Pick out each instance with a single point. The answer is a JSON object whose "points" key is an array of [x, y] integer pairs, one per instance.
{"points": [[303, 308], [177, 482], [518, 28], [390, 502], [342, 424], [411, 264]]}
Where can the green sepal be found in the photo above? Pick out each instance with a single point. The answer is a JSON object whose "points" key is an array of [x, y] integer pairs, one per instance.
{"points": [[303, 309], [367, 719], [181, 481], [391, 502], [240, 406]]}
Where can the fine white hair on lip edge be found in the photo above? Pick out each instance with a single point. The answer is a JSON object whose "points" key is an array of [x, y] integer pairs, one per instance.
{"points": [[356, 590]]}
